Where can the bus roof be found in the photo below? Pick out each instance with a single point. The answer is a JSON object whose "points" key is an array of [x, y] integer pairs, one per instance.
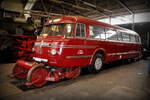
{"points": [[79, 19]]}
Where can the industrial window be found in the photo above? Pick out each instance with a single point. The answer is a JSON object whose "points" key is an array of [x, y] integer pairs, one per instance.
{"points": [[80, 30], [111, 34], [125, 37], [132, 38], [97, 32]]}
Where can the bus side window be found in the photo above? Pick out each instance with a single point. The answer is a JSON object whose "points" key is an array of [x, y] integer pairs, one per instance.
{"points": [[94, 33], [111, 34], [119, 36], [125, 37], [91, 33], [80, 30], [102, 33], [137, 39], [97, 32], [132, 38]]}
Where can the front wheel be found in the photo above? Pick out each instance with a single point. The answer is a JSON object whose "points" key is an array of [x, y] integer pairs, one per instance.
{"points": [[97, 64], [37, 75]]}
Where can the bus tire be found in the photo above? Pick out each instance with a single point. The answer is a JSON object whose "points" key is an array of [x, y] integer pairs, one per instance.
{"points": [[97, 64]]}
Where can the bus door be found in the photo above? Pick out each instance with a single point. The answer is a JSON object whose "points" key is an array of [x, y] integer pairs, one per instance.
{"points": [[79, 43]]}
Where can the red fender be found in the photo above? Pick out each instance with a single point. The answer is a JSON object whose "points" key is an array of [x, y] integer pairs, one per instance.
{"points": [[24, 64]]}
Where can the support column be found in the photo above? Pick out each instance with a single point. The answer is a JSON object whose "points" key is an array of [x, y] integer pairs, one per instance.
{"points": [[148, 39], [133, 21]]}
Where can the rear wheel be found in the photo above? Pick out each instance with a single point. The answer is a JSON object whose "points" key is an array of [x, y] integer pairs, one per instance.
{"points": [[37, 75], [97, 64]]}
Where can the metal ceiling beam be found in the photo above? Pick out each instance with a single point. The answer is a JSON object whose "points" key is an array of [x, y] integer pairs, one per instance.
{"points": [[69, 4], [125, 6], [70, 11], [79, 7], [40, 13], [28, 6], [99, 9], [129, 10], [94, 6]]}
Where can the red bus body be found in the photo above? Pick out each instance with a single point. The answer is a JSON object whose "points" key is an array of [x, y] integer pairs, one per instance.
{"points": [[69, 43], [75, 51]]}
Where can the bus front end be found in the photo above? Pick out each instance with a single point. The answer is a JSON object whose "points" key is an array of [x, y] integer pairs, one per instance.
{"points": [[49, 58]]}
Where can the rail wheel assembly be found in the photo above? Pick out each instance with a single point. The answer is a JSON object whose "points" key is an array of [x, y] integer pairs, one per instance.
{"points": [[19, 72], [37, 76], [73, 72]]}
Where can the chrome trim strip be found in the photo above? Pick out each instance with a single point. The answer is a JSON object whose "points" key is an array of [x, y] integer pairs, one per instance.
{"points": [[88, 56], [112, 41], [71, 46], [77, 46], [123, 53]]}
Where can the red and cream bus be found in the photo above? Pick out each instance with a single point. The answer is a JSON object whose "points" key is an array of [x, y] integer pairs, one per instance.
{"points": [[69, 43]]}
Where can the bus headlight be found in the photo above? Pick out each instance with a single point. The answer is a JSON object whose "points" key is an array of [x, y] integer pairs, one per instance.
{"points": [[53, 51]]}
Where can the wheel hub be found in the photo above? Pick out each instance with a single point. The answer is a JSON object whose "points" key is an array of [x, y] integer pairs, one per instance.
{"points": [[98, 64]]}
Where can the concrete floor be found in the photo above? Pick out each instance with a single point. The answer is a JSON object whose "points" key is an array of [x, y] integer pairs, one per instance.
{"points": [[115, 82]]}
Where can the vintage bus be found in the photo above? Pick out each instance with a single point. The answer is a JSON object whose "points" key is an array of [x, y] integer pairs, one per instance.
{"points": [[69, 43]]}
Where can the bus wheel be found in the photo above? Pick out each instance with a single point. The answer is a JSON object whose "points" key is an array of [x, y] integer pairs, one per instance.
{"points": [[37, 76], [96, 64]]}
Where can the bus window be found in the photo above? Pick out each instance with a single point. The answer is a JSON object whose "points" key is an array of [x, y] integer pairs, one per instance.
{"points": [[119, 36], [58, 30], [125, 37], [97, 32], [132, 38], [80, 30], [137, 39], [111, 34], [102, 33], [94, 33]]}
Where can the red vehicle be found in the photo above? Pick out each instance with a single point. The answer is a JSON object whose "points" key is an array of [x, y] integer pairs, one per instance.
{"points": [[15, 46], [69, 43]]}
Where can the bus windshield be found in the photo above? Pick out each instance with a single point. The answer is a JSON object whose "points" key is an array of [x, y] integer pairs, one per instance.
{"points": [[58, 30]]}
